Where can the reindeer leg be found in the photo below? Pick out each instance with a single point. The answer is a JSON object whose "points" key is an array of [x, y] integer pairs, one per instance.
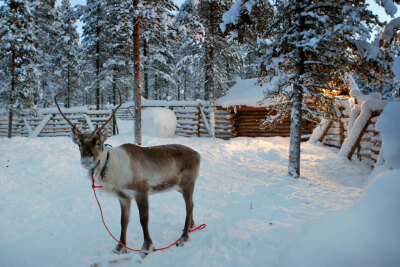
{"points": [[187, 192], [125, 212], [142, 200]]}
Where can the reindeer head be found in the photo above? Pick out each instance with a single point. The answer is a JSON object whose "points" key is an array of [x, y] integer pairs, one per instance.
{"points": [[91, 145]]}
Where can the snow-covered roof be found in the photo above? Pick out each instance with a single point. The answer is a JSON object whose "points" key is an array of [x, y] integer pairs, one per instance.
{"points": [[243, 93]]}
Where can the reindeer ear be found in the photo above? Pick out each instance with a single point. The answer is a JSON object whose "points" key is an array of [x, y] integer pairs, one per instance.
{"points": [[75, 137]]}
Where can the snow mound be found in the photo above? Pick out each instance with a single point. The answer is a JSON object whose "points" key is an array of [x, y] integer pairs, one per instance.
{"points": [[158, 122], [365, 235], [389, 126]]}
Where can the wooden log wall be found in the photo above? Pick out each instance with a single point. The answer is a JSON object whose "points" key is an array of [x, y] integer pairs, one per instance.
{"points": [[247, 122]]}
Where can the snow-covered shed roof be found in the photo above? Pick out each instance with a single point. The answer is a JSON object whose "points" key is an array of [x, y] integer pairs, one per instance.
{"points": [[243, 93]]}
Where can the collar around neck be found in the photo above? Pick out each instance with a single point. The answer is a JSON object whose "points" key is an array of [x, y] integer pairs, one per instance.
{"points": [[103, 170]]}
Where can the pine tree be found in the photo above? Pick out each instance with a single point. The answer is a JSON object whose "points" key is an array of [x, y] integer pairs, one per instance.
{"points": [[311, 45], [45, 22], [94, 25], [118, 44], [158, 40], [219, 56], [19, 56], [190, 33], [67, 49]]}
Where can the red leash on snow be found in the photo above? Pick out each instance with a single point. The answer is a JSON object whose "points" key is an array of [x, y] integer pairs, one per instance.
{"points": [[102, 218]]}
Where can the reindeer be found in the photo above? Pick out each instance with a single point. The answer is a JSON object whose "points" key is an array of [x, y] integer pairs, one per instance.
{"points": [[131, 171]]}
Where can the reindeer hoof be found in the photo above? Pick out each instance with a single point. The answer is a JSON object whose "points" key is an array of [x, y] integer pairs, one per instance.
{"points": [[182, 241], [146, 249], [120, 250]]}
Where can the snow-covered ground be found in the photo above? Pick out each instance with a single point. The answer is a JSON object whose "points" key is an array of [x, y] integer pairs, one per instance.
{"points": [[255, 214]]}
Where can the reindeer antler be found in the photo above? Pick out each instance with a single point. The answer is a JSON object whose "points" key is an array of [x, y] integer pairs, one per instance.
{"points": [[112, 114], [62, 114]]}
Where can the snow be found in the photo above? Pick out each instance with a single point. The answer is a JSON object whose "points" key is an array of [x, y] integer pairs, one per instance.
{"points": [[360, 115], [367, 234], [396, 68], [389, 126], [243, 93], [158, 122], [49, 215], [319, 130], [390, 7], [233, 14]]}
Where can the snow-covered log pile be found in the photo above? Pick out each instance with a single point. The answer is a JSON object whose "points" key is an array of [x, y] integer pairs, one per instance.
{"points": [[49, 122], [354, 132]]}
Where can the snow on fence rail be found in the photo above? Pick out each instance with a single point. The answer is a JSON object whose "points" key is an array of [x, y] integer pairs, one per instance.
{"points": [[50, 123], [354, 131]]}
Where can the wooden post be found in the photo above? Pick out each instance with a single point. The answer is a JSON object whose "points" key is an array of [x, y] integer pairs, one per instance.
{"points": [[198, 120], [357, 143], [138, 82], [325, 131], [10, 115], [341, 125]]}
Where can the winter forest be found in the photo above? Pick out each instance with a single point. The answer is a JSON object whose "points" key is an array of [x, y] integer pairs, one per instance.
{"points": [[187, 52], [331, 66]]}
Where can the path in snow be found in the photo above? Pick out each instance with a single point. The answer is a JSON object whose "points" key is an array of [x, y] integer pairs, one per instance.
{"points": [[48, 216]]}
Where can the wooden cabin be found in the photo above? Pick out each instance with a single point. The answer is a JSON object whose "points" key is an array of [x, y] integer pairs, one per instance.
{"points": [[248, 112]]}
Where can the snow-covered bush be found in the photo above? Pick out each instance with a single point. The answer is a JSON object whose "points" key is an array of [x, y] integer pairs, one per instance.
{"points": [[158, 122], [389, 126]]}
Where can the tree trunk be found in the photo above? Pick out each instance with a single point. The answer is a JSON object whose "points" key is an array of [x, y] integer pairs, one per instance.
{"points": [[114, 89], [98, 68], [210, 76], [114, 101], [10, 115], [185, 86], [146, 75], [157, 92], [68, 88], [138, 85], [297, 100]]}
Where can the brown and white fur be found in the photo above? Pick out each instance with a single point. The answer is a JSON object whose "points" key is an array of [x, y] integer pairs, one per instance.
{"points": [[135, 172]]}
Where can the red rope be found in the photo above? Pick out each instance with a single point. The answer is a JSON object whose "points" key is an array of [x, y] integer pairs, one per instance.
{"points": [[102, 218]]}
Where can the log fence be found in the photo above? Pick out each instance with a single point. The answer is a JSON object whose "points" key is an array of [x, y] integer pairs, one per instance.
{"points": [[367, 144], [52, 124]]}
